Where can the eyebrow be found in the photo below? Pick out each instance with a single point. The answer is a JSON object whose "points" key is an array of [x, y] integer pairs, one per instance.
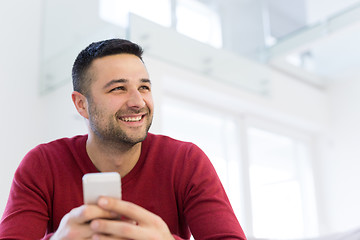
{"points": [[121, 80]]}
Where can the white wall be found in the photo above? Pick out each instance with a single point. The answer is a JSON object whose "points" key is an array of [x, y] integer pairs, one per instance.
{"points": [[290, 101], [341, 157], [20, 122], [29, 118]]}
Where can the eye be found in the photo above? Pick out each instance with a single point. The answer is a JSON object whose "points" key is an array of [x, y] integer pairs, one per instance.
{"points": [[145, 88], [119, 88]]}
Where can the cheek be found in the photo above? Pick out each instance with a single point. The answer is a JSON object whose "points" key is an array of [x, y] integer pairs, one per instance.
{"points": [[100, 109], [149, 103]]}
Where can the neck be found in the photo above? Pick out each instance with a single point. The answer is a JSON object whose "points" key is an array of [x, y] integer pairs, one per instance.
{"points": [[112, 157]]}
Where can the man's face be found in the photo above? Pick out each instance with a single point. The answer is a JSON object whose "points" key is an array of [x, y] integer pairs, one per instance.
{"points": [[120, 100]]}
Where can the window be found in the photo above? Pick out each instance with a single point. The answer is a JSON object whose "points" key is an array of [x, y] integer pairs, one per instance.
{"points": [[280, 183], [198, 21], [116, 11], [193, 19], [214, 133], [278, 186]]}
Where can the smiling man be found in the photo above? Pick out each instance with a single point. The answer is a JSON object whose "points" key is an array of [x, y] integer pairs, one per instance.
{"points": [[170, 190]]}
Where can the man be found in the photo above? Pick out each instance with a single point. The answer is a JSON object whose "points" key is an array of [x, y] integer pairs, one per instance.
{"points": [[169, 187]]}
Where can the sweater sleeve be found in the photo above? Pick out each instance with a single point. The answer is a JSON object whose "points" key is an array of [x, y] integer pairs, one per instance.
{"points": [[27, 212], [177, 237], [206, 205]]}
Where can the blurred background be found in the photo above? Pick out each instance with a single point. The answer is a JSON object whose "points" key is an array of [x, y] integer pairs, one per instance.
{"points": [[269, 89]]}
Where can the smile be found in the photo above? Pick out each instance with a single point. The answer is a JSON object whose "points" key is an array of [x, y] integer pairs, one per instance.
{"points": [[131, 119]]}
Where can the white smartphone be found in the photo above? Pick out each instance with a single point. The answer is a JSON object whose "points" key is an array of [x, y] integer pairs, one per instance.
{"points": [[101, 184]]}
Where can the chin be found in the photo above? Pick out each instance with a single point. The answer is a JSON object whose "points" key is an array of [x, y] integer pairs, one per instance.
{"points": [[135, 139]]}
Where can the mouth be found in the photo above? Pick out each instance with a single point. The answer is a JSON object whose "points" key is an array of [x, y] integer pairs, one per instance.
{"points": [[132, 118]]}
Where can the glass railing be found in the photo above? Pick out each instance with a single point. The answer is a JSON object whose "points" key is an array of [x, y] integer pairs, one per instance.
{"points": [[322, 51]]}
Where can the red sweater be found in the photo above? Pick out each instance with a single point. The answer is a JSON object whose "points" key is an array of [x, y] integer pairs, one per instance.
{"points": [[172, 179]]}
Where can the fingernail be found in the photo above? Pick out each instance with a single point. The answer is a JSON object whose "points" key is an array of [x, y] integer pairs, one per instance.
{"points": [[103, 202], [94, 225]]}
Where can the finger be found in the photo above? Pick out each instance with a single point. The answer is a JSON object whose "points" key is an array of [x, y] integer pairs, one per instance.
{"points": [[70, 228], [118, 229], [149, 225], [106, 237], [79, 232], [86, 213], [127, 209]]}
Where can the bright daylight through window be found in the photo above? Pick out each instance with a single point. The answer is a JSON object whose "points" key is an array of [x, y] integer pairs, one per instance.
{"points": [[282, 192], [117, 11], [281, 187], [198, 21], [193, 18], [214, 133]]}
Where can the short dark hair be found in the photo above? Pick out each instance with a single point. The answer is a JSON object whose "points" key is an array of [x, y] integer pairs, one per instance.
{"points": [[81, 80]]}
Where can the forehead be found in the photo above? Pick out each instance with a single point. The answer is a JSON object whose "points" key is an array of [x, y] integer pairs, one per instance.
{"points": [[126, 66]]}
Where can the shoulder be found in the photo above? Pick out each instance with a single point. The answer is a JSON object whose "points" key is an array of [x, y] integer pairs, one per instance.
{"points": [[63, 142], [154, 139], [58, 158], [59, 146], [175, 152], [170, 145], [49, 153]]}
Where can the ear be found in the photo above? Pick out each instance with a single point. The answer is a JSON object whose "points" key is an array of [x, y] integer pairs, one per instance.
{"points": [[80, 103]]}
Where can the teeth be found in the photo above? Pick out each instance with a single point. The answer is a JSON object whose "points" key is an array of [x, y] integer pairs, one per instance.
{"points": [[131, 119]]}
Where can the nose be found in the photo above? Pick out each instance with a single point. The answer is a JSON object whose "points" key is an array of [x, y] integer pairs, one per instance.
{"points": [[135, 99]]}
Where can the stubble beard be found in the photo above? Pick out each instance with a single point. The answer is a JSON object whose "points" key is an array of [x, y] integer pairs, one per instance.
{"points": [[111, 133]]}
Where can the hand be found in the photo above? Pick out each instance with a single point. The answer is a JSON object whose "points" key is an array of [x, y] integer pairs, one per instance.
{"points": [[76, 223], [141, 223]]}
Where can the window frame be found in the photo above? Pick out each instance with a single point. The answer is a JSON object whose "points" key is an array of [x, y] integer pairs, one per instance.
{"points": [[311, 228], [243, 121]]}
